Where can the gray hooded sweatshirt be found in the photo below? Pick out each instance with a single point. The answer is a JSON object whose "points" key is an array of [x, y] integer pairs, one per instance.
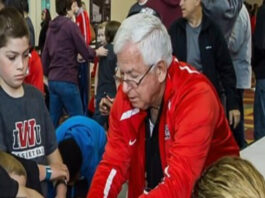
{"points": [[223, 12]]}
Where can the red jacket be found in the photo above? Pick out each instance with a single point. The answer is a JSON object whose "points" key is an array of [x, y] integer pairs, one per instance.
{"points": [[35, 76], [82, 20], [193, 133]]}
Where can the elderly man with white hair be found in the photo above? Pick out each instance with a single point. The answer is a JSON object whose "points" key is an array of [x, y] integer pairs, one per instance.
{"points": [[166, 124]]}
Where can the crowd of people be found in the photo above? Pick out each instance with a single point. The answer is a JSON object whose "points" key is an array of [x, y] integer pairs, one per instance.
{"points": [[168, 116]]}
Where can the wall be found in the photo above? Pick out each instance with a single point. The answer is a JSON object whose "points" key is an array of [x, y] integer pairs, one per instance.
{"points": [[120, 9], [35, 15]]}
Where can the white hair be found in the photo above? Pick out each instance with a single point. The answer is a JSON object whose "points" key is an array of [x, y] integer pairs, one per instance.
{"points": [[150, 35]]}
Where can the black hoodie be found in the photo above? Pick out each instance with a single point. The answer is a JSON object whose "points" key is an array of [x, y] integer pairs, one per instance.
{"points": [[258, 57]]}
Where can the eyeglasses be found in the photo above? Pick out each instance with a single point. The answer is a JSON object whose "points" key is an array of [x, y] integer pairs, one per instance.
{"points": [[132, 83]]}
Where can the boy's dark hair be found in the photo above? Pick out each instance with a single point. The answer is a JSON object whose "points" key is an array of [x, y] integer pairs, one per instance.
{"points": [[12, 25], [72, 156], [62, 6], [15, 4], [111, 29]]}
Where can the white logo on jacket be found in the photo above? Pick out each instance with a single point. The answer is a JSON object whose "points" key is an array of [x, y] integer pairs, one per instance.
{"points": [[129, 113], [188, 69], [132, 142]]}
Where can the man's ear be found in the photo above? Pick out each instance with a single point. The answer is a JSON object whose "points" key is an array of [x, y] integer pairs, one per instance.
{"points": [[161, 71]]}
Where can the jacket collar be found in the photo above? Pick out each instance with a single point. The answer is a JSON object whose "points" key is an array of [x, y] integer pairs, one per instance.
{"points": [[170, 89]]}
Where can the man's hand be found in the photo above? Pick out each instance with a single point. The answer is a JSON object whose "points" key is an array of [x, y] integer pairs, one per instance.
{"points": [[234, 117], [59, 171], [105, 105], [101, 51]]}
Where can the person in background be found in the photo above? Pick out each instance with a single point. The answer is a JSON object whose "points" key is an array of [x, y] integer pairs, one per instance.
{"points": [[253, 17], [46, 18], [59, 57], [83, 22], [231, 177], [82, 142], [239, 44], [101, 38], [135, 8], [169, 10], [100, 41], [199, 41], [156, 140], [25, 6], [106, 86], [258, 66], [25, 127], [224, 13], [35, 71]]}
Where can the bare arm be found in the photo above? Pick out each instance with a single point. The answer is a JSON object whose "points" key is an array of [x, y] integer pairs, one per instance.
{"points": [[55, 159], [27, 192]]}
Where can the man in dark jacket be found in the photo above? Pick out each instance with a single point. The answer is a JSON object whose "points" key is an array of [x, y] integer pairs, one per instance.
{"points": [[258, 64], [135, 8], [198, 41]]}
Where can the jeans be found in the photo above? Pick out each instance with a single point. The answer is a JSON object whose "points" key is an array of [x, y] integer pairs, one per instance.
{"points": [[64, 95], [259, 109], [83, 78]]}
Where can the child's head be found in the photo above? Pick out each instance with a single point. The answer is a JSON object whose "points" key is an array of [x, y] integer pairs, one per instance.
{"points": [[45, 15], [231, 177], [72, 158], [12, 25], [13, 167], [14, 49], [66, 7], [110, 30], [101, 34]]}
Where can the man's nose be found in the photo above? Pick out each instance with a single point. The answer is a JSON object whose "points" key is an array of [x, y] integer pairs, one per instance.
{"points": [[125, 87]]}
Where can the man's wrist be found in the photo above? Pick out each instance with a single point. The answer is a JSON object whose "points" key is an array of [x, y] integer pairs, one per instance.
{"points": [[61, 188], [60, 182]]}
